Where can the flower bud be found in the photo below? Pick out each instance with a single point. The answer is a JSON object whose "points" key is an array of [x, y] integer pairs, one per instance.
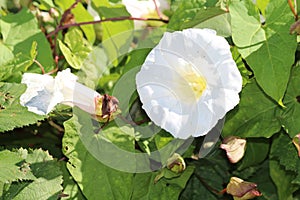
{"points": [[242, 190], [176, 163], [296, 142], [53, 13], [235, 148]]}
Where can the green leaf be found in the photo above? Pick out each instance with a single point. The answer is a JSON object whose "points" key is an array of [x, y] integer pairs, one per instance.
{"points": [[75, 48], [219, 23], [19, 63], [210, 177], [262, 5], [40, 135], [93, 67], [203, 15], [46, 4], [71, 189], [145, 188], [265, 183], [12, 114], [24, 22], [93, 177], [106, 82], [241, 66], [13, 167], [260, 175], [282, 177], [6, 53], [290, 116], [191, 13], [117, 35], [257, 151], [47, 182], [268, 49], [285, 152], [81, 15], [250, 118], [196, 189]]}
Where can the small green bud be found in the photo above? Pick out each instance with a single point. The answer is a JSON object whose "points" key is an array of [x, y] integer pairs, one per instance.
{"points": [[176, 163]]}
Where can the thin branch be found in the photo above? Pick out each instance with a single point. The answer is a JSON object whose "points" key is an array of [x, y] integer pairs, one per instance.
{"points": [[293, 9], [40, 65], [56, 126], [157, 10], [67, 12], [104, 20], [64, 16]]}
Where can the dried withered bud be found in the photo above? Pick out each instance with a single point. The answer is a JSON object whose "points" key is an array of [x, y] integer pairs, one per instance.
{"points": [[69, 19], [295, 27], [176, 163], [235, 148], [109, 105], [296, 142], [106, 107], [242, 190]]}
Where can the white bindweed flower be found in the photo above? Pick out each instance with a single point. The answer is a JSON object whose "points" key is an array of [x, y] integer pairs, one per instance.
{"points": [[44, 92], [144, 9], [188, 82]]}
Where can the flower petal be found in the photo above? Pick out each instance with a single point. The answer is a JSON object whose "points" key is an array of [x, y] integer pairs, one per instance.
{"points": [[38, 95], [44, 92], [188, 82]]}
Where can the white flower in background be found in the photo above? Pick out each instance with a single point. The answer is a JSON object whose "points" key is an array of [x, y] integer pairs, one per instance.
{"points": [[138, 9], [144, 9], [188, 82], [44, 92]]}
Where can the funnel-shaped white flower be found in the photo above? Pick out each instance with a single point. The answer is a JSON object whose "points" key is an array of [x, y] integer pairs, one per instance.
{"points": [[44, 92], [188, 82], [144, 9]]}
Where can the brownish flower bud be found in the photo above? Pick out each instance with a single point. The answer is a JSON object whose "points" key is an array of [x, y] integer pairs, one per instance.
{"points": [[296, 141], [295, 28], [235, 148], [242, 190]]}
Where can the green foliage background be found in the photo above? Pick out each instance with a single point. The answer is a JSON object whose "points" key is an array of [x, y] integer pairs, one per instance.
{"points": [[43, 157]]}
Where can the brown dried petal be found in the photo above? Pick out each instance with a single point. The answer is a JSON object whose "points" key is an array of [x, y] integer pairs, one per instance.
{"points": [[109, 105]]}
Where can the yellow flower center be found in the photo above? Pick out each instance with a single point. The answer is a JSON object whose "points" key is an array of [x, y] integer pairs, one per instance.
{"points": [[195, 80]]}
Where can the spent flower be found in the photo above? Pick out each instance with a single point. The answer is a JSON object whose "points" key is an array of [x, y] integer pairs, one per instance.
{"points": [[242, 190], [235, 148]]}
